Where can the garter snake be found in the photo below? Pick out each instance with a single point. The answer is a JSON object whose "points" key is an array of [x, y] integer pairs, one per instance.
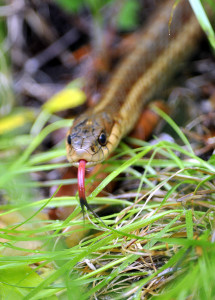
{"points": [[167, 40]]}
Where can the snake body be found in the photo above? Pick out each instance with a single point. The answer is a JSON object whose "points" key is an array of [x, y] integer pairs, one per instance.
{"points": [[167, 40]]}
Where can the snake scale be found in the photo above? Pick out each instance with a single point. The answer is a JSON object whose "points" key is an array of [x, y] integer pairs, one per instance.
{"points": [[167, 40]]}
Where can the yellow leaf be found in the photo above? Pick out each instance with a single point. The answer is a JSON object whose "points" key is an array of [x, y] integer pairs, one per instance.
{"points": [[14, 121], [67, 98]]}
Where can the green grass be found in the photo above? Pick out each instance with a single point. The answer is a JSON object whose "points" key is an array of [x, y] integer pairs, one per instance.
{"points": [[6, 94], [203, 18]]}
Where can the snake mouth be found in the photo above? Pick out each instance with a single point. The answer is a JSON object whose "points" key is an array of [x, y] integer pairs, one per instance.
{"points": [[88, 164], [74, 156]]}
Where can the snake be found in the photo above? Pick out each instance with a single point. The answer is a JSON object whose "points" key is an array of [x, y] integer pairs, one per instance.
{"points": [[168, 39]]}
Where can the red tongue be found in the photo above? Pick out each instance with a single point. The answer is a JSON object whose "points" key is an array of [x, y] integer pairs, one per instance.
{"points": [[81, 189], [81, 186]]}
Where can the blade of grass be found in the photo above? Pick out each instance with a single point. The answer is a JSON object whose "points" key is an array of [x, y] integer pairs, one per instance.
{"points": [[203, 21]]}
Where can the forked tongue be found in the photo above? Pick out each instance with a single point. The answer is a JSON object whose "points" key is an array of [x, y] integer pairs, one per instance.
{"points": [[81, 189]]}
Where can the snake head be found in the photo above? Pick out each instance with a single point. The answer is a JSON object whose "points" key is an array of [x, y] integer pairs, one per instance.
{"points": [[89, 139]]}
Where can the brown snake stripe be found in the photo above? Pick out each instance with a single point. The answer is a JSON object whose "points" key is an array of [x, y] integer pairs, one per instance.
{"points": [[161, 49]]}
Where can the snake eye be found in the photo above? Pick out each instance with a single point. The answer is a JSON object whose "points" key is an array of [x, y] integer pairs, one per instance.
{"points": [[102, 139], [69, 140]]}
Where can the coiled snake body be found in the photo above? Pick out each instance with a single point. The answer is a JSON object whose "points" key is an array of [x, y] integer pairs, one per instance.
{"points": [[168, 39]]}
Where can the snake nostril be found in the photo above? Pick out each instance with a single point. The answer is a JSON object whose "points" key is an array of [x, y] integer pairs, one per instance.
{"points": [[92, 148]]}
